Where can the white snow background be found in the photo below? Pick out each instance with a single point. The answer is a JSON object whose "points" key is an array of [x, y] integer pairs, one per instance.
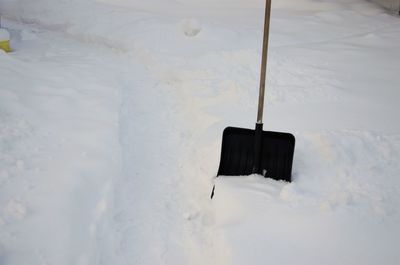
{"points": [[111, 119]]}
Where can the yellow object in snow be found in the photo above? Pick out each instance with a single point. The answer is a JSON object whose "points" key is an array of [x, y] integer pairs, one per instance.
{"points": [[5, 40], [5, 45]]}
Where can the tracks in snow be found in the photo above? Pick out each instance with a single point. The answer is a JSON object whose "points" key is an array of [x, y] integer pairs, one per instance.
{"points": [[163, 214]]}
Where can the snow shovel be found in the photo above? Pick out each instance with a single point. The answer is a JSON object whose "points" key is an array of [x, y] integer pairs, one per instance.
{"points": [[246, 151]]}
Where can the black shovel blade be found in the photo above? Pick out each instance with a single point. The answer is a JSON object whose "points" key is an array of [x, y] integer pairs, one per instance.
{"points": [[237, 154]]}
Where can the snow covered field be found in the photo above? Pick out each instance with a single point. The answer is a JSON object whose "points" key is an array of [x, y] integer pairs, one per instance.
{"points": [[111, 115]]}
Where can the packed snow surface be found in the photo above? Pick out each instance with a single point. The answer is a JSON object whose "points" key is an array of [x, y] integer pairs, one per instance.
{"points": [[111, 118]]}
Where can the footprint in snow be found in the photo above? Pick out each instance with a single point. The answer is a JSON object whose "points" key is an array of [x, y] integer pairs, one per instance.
{"points": [[190, 27]]}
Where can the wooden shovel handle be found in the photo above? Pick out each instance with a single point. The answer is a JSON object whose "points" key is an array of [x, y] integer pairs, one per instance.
{"points": [[264, 62]]}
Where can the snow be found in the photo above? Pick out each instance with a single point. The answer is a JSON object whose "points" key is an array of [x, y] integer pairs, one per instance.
{"points": [[111, 120], [4, 35], [390, 5]]}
